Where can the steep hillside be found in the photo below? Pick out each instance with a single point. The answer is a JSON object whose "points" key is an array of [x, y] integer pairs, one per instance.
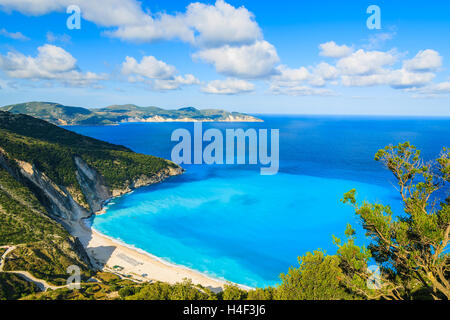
{"points": [[72, 174], [50, 178], [64, 115], [43, 247]]}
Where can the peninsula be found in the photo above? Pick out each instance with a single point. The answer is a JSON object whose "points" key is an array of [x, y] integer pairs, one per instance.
{"points": [[69, 116]]}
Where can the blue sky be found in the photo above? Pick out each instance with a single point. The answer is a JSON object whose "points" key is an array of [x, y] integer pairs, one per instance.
{"points": [[289, 57]]}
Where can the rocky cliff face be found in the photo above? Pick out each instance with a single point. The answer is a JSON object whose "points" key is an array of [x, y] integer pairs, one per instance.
{"points": [[63, 205], [144, 181], [92, 185], [59, 201]]}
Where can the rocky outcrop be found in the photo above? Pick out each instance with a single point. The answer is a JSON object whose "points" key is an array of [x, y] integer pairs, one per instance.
{"points": [[60, 202], [97, 193], [144, 180], [92, 185]]}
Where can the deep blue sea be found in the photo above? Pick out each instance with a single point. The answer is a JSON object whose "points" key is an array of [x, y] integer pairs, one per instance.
{"points": [[232, 223]]}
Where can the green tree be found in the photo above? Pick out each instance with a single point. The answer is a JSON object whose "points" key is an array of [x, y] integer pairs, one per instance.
{"points": [[233, 292], [317, 278], [262, 294], [411, 247]]}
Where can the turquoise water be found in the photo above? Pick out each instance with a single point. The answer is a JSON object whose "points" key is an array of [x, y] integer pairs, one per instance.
{"points": [[232, 223]]}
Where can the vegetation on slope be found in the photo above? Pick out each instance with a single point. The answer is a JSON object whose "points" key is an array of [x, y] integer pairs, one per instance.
{"points": [[13, 287], [44, 247], [52, 149], [51, 112], [64, 115]]}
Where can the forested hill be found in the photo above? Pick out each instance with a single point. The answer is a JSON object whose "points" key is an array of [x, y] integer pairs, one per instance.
{"points": [[50, 178], [65, 115], [53, 151]]}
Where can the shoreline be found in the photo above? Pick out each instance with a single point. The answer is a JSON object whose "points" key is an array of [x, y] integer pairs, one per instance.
{"points": [[113, 255], [167, 121]]}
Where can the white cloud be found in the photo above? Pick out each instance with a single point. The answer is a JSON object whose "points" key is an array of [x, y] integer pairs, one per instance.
{"points": [[201, 24], [398, 79], [364, 62], [204, 24], [232, 31], [424, 61], [370, 68], [13, 35], [257, 60], [158, 74], [149, 67], [361, 69], [222, 24], [316, 76], [300, 90], [402, 78], [228, 86], [332, 50], [51, 63], [326, 71], [433, 90], [32, 7], [175, 83], [287, 74], [106, 13], [160, 27], [443, 87]]}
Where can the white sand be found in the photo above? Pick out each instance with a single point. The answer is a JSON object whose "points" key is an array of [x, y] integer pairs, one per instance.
{"points": [[108, 253]]}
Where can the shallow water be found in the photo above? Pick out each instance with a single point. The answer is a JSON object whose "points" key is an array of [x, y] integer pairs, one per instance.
{"points": [[230, 222]]}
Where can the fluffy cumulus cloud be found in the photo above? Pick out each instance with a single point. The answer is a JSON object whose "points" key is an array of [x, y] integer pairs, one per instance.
{"points": [[332, 50], [225, 36], [222, 24], [219, 29], [370, 68], [304, 80], [51, 63], [364, 62], [157, 73], [149, 67], [424, 61], [257, 60], [362, 68], [229, 86], [202, 24], [175, 83]]}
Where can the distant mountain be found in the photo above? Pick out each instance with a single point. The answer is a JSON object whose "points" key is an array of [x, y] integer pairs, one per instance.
{"points": [[65, 115]]}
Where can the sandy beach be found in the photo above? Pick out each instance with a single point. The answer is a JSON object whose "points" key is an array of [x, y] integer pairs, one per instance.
{"points": [[112, 256]]}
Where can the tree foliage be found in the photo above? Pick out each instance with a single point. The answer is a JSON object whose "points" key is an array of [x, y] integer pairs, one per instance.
{"points": [[411, 248]]}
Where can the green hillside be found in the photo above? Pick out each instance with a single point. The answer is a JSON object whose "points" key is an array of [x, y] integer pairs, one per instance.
{"points": [[51, 150], [43, 247], [51, 112]]}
